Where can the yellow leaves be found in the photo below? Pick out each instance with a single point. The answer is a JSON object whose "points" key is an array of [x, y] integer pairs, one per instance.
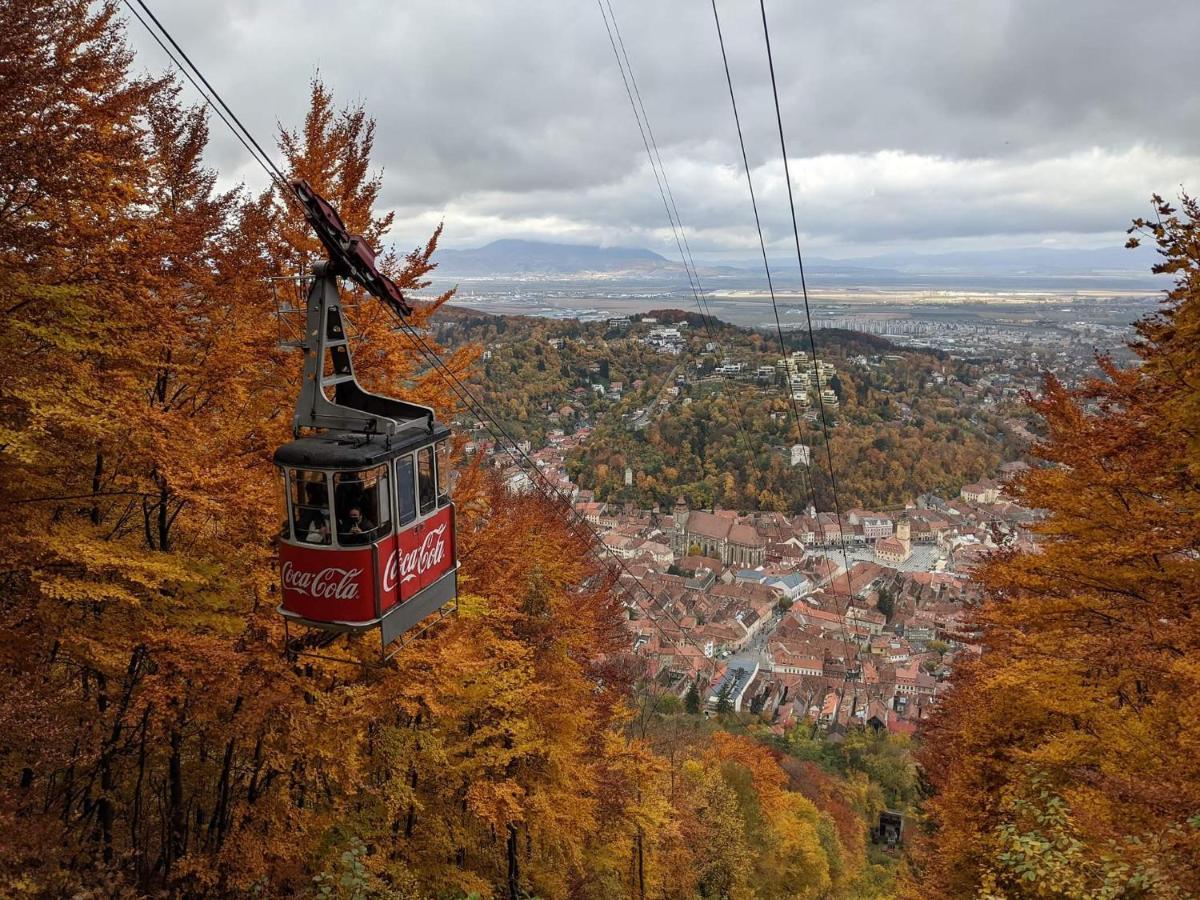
{"points": [[78, 566], [471, 605], [740, 832], [498, 803], [83, 590]]}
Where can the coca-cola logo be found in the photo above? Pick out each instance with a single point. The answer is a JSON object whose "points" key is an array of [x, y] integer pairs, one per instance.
{"points": [[405, 565], [330, 583]]}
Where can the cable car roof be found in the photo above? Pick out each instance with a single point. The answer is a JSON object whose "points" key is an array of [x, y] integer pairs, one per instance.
{"points": [[350, 450]]}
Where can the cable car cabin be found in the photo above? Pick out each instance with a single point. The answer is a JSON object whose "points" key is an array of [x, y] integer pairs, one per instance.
{"points": [[890, 830], [369, 536], [368, 539]]}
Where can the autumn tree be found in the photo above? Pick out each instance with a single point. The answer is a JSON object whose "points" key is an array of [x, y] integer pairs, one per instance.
{"points": [[155, 738], [144, 399], [143, 736], [1063, 760]]}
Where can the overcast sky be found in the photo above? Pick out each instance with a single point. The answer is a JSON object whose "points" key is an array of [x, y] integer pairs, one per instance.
{"points": [[931, 126]]}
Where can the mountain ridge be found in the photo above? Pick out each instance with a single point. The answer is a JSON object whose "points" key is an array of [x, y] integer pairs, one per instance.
{"points": [[514, 256]]}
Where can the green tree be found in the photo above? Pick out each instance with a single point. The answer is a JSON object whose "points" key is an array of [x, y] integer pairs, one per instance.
{"points": [[724, 703]]}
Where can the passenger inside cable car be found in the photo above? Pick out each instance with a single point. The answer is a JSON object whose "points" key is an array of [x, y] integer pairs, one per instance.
{"points": [[310, 506], [361, 504]]}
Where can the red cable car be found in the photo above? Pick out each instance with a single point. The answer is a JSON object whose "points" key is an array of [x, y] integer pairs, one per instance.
{"points": [[368, 541]]}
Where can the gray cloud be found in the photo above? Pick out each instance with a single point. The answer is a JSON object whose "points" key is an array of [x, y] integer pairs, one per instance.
{"points": [[1000, 122]]}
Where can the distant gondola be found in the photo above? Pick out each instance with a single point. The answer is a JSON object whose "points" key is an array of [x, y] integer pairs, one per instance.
{"points": [[890, 830]]}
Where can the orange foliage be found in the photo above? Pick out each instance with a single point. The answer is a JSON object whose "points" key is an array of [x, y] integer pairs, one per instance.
{"points": [[156, 739], [1077, 729]]}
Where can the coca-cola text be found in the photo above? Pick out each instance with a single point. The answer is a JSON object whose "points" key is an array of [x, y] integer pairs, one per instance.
{"points": [[330, 583], [405, 565]]}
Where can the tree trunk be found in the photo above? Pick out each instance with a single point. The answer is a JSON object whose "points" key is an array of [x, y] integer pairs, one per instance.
{"points": [[252, 790], [164, 521], [146, 524], [177, 837], [216, 826], [104, 806], [514, 873], [135, 839], [97, 481], [641, 866]]}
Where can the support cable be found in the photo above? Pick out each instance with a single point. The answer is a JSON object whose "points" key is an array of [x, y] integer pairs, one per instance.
{"points": [[761, 241], [265, 158], [672, 210], [779, 327], [812, 341], [208, 101]]}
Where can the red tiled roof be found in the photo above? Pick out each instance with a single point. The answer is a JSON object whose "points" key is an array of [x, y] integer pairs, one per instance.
{"points": [[707, 525], [745, 535]]}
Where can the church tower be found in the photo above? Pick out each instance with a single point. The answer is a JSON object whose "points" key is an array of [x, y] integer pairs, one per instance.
{"points": [[681, 515]]}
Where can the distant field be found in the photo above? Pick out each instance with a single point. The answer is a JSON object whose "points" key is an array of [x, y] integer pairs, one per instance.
{"points": [[749, 306]]}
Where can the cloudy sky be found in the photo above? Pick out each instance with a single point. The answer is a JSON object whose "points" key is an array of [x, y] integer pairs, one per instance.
{"points": [[929, 126]]}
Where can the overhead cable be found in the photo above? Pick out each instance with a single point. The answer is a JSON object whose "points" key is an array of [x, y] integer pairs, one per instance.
{"points": [[779, 328], [672, 210], [548, 490]]}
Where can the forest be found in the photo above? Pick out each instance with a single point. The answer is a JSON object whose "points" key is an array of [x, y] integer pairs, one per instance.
{"points": [[155, 740], [894, 436], [726, 441]]}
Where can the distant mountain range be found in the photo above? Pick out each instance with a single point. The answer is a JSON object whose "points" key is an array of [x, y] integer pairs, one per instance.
{"points": [[520, 257], [514, 257]]}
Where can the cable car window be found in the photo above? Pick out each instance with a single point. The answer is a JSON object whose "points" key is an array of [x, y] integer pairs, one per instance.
{"points": [[362, 506], [281, 508], [310, 507], [406, 499], [426, 489], [443, 472]]}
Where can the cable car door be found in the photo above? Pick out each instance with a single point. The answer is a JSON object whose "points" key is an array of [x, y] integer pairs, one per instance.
{"points": [[433, 539]]}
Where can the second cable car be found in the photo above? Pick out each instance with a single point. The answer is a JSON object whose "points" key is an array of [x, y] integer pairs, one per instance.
{"points": [[368, 541]]}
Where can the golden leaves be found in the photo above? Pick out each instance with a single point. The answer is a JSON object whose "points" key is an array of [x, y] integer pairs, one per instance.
{"points": [[1084, 680]]}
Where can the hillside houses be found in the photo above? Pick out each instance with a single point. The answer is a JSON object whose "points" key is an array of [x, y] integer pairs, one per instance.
{"points": [[985, 491], [797, 601]]}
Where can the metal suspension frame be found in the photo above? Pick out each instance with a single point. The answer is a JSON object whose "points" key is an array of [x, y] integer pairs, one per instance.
{"points": [[331, 396], [351, 407], [294, 647]]}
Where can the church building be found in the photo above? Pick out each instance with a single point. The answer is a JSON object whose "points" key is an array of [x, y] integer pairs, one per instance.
{"points": [[721, 537]]}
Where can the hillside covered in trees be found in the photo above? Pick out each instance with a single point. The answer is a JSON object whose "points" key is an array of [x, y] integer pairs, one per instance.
{"points": [[905, 423], [154, 738]]}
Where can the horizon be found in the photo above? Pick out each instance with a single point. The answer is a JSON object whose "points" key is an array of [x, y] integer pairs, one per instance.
{"points": [[1014, 260]]}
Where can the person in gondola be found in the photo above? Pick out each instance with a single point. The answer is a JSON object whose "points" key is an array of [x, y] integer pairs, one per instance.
{"points": [[318, 531], [355, 528], [312, 523]]}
